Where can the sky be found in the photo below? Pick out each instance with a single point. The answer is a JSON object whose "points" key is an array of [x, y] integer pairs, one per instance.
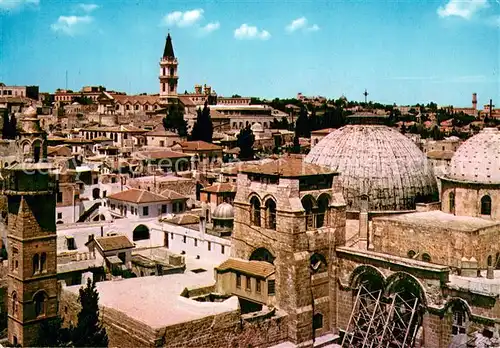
{"points": [[401, 51]]}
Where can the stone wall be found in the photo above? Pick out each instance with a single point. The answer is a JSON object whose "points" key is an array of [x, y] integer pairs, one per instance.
{"points": [[444, 245], [223, 330]]}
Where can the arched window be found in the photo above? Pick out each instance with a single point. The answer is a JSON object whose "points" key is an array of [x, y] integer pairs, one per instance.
{"points": [[39, 301], [308, 205], [411, 254], [36, 264], [14, 303], [451, 198], [141, 232], [486, 205], [459, 323], [43, 262], [255, 203], [490, 261], [36, 151], [317, 321], [318, 263], [96, 193], [262, 254], [426, 257], [322, 216], [270, 214]]}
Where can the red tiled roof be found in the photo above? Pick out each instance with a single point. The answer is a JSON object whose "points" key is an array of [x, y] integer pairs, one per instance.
{"points": [[186, 101], [172, 195], [137, 99], [138, 196], [159, 154], [220, 187], [114, 243], [256, 268], [291, 167], [199, 145]]}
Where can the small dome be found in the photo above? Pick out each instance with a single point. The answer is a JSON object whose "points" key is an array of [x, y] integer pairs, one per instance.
{"points": [[476, 160], [224, 211], [30, 112], [257, 127]]}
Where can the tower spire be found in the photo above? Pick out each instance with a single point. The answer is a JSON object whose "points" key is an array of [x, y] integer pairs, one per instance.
{"points": [[168, 52]]}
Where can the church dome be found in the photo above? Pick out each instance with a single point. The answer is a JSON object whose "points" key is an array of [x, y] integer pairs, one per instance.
{"points": [[257, 128], [223, 211], [477, 160], [376, 163]]}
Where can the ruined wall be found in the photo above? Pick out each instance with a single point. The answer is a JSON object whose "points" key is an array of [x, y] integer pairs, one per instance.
{"points": [[445, 246]]}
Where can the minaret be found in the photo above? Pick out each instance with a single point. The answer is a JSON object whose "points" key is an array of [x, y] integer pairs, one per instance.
{"points": [[474, 101], [168, 73], [32, 250]]}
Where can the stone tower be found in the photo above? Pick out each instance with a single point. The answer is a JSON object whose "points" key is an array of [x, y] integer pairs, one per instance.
{"points": [[32, 278], [287, 214], [168, 74]]}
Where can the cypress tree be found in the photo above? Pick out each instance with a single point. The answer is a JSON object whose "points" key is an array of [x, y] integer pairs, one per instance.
{"points": [[13, 127], [89, 332], [203, 127], [245, 141], [6, 125]]}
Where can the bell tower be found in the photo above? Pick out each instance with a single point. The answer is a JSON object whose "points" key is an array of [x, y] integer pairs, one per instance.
{"points": [[286, 214], [32, 250], [168, 73]]}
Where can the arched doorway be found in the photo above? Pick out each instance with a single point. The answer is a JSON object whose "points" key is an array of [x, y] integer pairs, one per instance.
{"points": [[262, 254], [141, 232], [96, 193]]}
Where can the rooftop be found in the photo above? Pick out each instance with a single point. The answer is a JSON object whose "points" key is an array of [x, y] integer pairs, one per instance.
{"points": [[256, 268], [291, 167], [438, 219], [114, 243], [140, 299], [220, 187], [138, 196]]}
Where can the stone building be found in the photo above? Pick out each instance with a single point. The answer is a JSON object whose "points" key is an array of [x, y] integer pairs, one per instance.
{"points": [[32, 278]]}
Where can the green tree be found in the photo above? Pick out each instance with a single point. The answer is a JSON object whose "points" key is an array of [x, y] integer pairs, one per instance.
{"points": [[174, 120], [302, 126], [13, 126], [6, 131], [245, 140], [89, 332], [203, 127], [52, 334]]}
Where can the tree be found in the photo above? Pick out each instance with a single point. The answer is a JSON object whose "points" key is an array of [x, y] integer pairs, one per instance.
{"points": [[13, 126], [203, 127], [6, 132], [302, 127], [296, 145], [245, 140], [314, 122], [89, 332], [52, 334], [174, 120]]}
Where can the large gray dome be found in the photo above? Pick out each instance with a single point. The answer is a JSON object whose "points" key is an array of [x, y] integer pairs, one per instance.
{"points": [[478, 159], [378, 162]]}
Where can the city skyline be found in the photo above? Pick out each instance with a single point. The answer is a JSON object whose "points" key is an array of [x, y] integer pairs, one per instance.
{"points": [[402, 53]]}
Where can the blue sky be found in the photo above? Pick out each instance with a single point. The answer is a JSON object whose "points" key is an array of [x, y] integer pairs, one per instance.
{"points": [[401, 51]]}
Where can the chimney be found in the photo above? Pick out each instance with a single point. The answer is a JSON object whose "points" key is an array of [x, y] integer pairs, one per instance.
{"points": [[468, 267]]}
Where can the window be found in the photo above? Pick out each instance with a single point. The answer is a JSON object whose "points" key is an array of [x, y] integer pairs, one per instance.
{"points": [[308, 205], [39, 301], [36, 264], [162, 143], [426, 257], [270, 214], [257, 285], [318, 263], [145, 211], [321, 215], [489, 262], [70, 242], [271, 284], [59, 197], [14, 303], [184, 239], [486, 205], [171, 236], [459, 323], [195, 242], [141, 232], [43, 262], [411, 254], [238, 280], [104, 194], [255, 218], [451, 198], [59, 215], [209, 245], [317, 321], [222, 249], [248, 283]]}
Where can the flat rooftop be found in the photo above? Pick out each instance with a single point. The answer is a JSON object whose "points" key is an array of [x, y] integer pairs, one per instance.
{"points": [[156, 301], [439, 219], [479, 285]]}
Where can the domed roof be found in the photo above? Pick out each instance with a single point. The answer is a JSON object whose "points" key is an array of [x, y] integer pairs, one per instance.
{"points": [[477, 160], [378, 163], [257, 127], [223, 211]]}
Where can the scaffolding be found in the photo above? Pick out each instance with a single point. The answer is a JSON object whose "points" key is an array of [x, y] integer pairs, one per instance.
{"points": [[382, 322]]}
